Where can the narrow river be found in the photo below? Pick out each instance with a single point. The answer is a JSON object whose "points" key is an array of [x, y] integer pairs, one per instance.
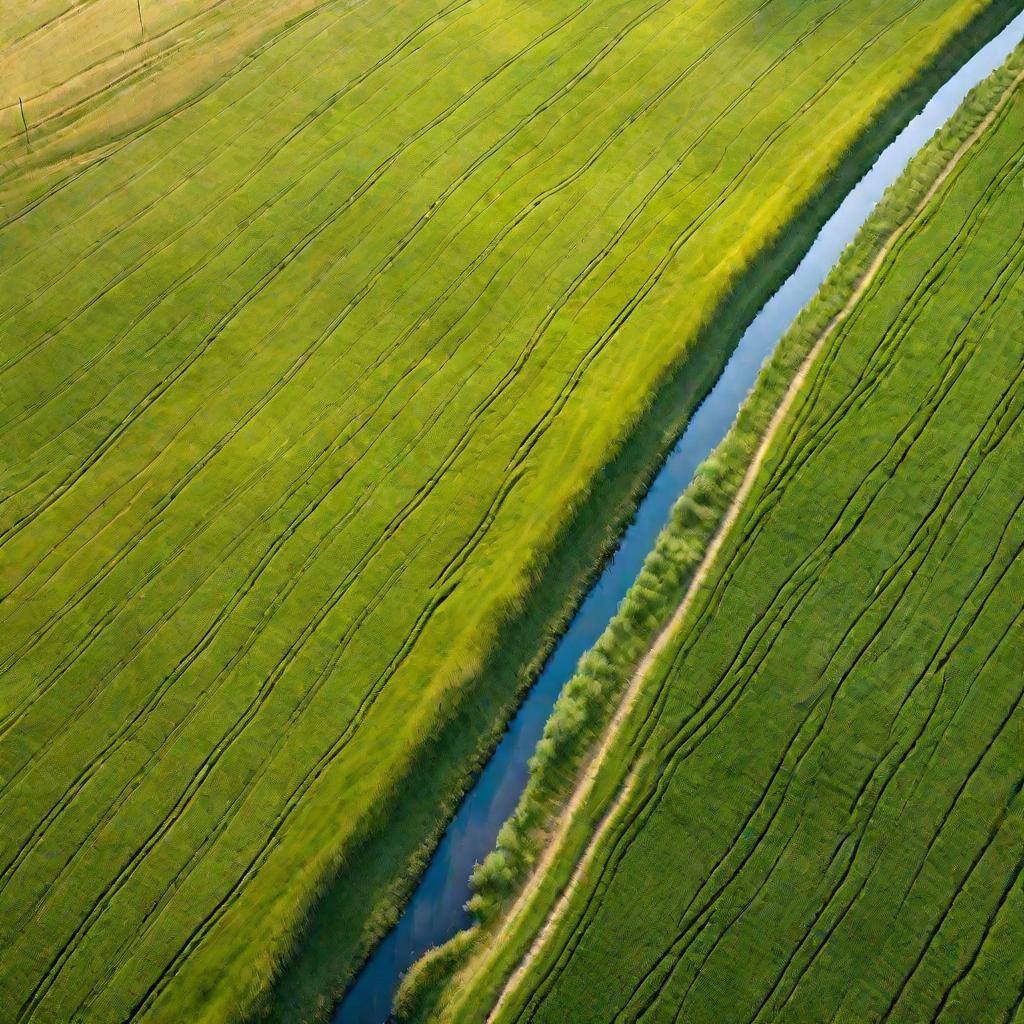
{"points": [[436, 910]]}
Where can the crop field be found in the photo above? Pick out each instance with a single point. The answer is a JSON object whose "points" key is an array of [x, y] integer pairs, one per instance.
{"points": [[826, 817], [301, 382], [76, 78]]}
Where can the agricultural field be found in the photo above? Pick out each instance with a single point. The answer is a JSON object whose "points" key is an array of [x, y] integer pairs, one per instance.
{"points": [[79, 78], [819, 813], [306, 372]]}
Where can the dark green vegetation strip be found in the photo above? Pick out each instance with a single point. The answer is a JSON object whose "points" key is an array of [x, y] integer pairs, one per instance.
{"points": [[829, 824], [301, 388]]}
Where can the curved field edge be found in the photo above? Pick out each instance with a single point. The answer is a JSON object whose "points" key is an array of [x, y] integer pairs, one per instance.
{"points": [[53, 132], [462, 980]]}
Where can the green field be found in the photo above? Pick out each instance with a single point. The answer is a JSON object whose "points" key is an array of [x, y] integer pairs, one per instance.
{"points": [[302, 384], [79, 76], [826, 814]]}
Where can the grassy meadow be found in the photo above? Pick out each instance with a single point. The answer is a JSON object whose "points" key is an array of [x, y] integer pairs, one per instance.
{"points": [[826, 820], [304, 375]]}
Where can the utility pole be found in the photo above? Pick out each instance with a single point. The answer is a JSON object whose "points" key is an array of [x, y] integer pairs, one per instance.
{"points": [[24, 122], [142, 24]]}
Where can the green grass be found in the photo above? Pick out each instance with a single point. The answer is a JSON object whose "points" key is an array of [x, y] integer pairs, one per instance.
{"points": [[302, 388], [827, 823]]}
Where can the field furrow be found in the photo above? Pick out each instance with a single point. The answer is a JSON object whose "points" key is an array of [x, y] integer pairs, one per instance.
{"points": [[320, 323]]}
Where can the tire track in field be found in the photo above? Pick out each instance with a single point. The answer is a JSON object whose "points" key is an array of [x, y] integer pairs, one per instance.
{"points": [[224, 245], [814, 928], [851, 858], [867, 819], [402, 50], [889, 577], [188, 794], [137, 70], [68, 12], [947, 815], [793, 118], [951, 806], [154, 913], [312, 506], [98, 156], [292, 580], [364, 414], [503, 183], [707, 908], [191, 26], [1009, 885], [163, 386], [744, 907], [814, 436]]}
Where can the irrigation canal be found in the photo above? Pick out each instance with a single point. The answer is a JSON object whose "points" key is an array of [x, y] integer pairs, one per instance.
{"points": [[436, 911]]}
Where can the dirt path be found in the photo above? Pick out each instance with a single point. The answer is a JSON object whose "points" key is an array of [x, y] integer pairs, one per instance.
{"points": [[586, 784]]}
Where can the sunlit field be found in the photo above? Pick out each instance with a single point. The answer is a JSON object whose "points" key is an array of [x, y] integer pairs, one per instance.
{"points": [[308, 360]]}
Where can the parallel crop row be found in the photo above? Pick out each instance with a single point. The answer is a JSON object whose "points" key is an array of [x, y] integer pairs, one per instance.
{"points": [[299, 388]]}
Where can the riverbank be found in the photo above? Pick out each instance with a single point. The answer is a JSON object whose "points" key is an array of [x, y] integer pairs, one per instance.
{"points": [[477, 985], [328, 947]]}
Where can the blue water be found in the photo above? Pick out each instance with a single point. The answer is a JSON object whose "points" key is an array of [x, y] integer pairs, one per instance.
{"points": [[436, 911]]}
